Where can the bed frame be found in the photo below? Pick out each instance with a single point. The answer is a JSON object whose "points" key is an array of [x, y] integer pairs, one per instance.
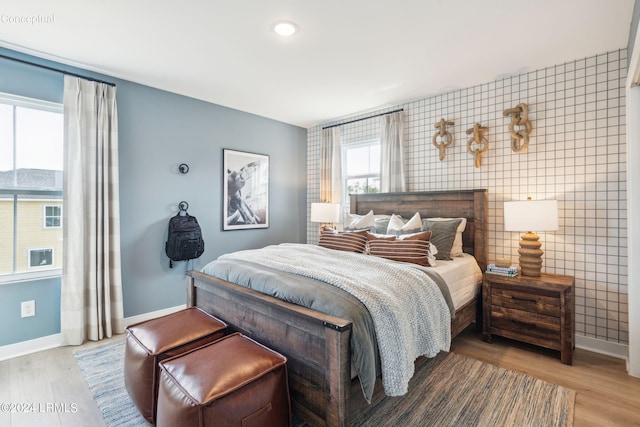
{"points": [[316, 344]]}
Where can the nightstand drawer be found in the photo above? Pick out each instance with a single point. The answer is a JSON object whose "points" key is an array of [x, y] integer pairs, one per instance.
{"points": [[525, 323], [522, 300], [540, 337]]}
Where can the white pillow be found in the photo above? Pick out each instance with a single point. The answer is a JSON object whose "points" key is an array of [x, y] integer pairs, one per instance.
{"points": [[397, 226], [359, 222], [456, 248], [382, 216]]}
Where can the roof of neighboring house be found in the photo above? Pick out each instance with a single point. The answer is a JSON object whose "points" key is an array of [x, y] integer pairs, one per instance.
{"points": [[32, 179]]}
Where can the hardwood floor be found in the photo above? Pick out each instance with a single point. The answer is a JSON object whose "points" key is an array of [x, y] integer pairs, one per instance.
{"points": [[606, 395], [40, 380]]}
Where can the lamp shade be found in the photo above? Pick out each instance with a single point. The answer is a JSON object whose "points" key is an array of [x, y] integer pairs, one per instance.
{"points": [[531, 215], [325, 212]]}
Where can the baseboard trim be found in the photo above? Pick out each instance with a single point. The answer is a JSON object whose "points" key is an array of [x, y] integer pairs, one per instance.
{"points": [[620, 351], [151, 315], [52, 341], [31, 346]]}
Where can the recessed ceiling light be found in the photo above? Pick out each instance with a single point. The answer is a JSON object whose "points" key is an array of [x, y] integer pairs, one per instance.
{"points": [[285, 29]]}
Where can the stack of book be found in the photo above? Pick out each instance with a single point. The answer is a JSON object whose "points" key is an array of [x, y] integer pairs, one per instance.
{"points": [[503, 271]]}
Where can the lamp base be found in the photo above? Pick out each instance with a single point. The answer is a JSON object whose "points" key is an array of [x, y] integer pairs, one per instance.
{"points": [[330, 225], [530, 255]]}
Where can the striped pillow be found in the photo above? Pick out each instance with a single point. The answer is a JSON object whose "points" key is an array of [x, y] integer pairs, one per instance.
{"points": [[350, 241], [413, 248]]}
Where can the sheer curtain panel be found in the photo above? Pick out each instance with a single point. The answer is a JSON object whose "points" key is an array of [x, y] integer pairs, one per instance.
{"points": [[331, 166], [91, 300], [391, 156]]}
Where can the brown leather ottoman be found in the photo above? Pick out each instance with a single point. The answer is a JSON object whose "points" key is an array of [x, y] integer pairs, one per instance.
{"points": [[157, 339], [231, 382]]}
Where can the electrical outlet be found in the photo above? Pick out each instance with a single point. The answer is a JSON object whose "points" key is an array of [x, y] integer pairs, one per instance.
{"points": [[28, 308]]}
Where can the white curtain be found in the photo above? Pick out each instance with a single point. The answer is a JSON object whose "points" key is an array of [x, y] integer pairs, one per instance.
{"points": [[391, 156], [331, 166], [91, 300]]}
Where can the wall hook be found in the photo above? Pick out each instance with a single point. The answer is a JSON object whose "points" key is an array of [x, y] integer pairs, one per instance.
{"points": [[183, 168], [183, 206]]}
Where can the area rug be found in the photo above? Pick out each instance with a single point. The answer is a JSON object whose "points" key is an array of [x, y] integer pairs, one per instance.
{"points": [[103, 368], [448, 390], [453, 390]]}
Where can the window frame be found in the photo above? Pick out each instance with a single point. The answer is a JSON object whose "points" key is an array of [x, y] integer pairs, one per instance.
{"points": [[45, 216], [40, 266], [20, 276], [345, 176]]}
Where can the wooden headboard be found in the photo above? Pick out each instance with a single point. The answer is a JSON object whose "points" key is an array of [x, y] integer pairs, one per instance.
{"points": [[470, 204]]}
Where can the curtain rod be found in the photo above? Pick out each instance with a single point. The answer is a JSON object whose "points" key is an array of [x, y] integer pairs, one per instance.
{"points": [[57, 70], [364, 118]]}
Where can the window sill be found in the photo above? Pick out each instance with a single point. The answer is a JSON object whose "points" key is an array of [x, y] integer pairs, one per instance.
{"points": [[29, 276]]}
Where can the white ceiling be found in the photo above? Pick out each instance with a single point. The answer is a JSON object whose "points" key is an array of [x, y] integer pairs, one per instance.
{"points": [[349, 56]]}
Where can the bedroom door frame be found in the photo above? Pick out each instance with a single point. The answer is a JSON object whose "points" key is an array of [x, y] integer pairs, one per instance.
{"points": [[633, 205]]}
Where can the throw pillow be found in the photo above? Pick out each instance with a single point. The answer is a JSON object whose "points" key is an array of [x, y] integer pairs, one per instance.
{"points": [[443, 235], [348, 241], [397, 226]]}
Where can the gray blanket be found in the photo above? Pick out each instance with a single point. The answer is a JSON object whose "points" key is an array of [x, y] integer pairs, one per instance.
{"points": [[411, 317]]}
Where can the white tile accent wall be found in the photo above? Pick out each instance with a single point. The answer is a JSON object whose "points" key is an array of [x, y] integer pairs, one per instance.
{"points": [[576, 155]]}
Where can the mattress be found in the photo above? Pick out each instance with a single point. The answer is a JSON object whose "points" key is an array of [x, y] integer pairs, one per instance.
{"points": [[463, 278]]}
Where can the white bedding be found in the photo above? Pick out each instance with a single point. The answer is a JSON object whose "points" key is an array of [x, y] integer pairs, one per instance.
{"points": [[463, 277]]}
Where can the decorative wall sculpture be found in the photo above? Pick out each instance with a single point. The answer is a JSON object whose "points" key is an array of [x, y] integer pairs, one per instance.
{"points": [[519, 117], [480, 140], [447, 138]]}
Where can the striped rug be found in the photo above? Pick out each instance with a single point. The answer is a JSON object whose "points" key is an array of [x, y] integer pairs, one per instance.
{"points": [[103, 368], [448, 390]]}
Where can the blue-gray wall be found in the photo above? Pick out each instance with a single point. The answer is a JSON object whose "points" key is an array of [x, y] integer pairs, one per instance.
{"points": [[46, 294], [159, 130]]}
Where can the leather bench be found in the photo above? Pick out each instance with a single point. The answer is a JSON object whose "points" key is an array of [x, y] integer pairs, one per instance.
{"points": [[152, 341], [232, 382]]}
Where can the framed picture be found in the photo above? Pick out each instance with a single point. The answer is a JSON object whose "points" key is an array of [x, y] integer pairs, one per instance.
{"points": [[246, 190]]}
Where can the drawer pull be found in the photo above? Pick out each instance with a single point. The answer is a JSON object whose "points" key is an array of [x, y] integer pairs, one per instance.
{"points": [[524, 299]]}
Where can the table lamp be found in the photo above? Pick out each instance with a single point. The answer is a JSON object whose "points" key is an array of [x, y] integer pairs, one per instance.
{"points": [[325, 213], [531, 216]]}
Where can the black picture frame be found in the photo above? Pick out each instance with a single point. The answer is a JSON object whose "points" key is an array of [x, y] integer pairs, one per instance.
{"points": [[245, 190]]}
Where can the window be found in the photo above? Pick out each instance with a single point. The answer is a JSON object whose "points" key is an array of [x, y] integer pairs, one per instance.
{"points": [[52, 216], [361, 168], [31, 149], [40, 257]]}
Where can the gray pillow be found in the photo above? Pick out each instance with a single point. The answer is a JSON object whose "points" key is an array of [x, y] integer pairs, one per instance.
{"points": [[442, 235], [381, 225]]}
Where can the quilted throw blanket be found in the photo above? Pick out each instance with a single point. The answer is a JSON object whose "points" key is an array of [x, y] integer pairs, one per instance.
{"points": [[409, 312]]}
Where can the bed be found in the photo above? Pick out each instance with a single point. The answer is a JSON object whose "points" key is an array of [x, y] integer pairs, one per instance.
{"points": [[317, 345]]}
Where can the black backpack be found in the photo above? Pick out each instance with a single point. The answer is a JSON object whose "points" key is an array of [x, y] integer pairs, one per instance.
{"points": [[185, 238]]}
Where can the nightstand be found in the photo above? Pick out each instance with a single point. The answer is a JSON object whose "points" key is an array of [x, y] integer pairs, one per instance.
{"points": [[535, 310]]}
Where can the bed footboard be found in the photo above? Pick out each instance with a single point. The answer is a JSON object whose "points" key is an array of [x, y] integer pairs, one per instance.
{"points": [[315, 344]]}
